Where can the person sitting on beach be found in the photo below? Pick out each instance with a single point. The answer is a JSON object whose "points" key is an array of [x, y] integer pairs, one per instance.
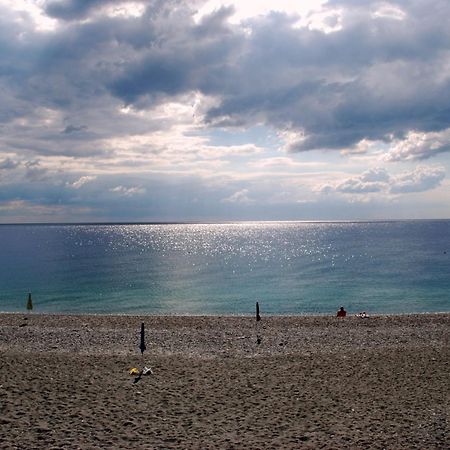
{"points": [[342, 312]]}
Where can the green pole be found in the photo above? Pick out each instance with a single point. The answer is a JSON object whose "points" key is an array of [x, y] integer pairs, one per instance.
{"points": [[29, 303]]}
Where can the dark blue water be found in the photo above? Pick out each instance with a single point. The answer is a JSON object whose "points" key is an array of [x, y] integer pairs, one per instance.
{"points": [[289, 267]]}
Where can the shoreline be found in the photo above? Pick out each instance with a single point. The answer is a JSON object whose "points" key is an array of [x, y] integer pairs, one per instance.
{"points": [[312, 382], [212, 316], [210, 336]]}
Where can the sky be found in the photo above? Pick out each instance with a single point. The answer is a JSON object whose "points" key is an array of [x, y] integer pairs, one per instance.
{"points": [[172, 110]]}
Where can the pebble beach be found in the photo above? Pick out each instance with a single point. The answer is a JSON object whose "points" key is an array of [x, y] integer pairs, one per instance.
{"points": [[312, 382]]}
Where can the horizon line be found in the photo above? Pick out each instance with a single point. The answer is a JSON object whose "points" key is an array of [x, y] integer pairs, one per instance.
{"points": [[223, 222]]}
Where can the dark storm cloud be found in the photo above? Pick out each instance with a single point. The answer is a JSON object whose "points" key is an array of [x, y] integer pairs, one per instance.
{"points": [[72, 9], [70, 72], [377, 77], [183, 57], [73, 129]]}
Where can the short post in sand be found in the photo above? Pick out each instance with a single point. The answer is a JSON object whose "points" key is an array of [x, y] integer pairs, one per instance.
{"points": [[29, 303], [258, 318], [142, 346]]}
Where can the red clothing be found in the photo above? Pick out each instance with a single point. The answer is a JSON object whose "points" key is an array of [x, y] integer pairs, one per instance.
{"points": [[341, 313]]}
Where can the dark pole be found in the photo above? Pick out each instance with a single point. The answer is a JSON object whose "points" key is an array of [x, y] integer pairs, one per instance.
{"points": [[29, 303], [258, 318], [142, 344]]}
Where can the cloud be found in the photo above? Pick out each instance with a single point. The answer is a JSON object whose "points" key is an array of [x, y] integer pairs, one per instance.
{"points": [[380, 75], [421, 179], [375, 79], [375, 180], [375, 175], [34, 171], [8, 164], [169, 65], [419, 146], [141, 104], [73, 129], [128, 191], [73, 9], [22, 211], [239, 197], [82, 181]]}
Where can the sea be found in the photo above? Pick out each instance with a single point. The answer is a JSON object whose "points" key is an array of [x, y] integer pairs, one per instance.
{"points": [[289, 268]]}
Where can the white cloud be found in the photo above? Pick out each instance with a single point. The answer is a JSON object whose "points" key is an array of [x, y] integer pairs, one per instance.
{"points": [[239, 197], [218, 151], [125, 9], [370, 181], [423, 178], [128, 191], [82, 181], [375, 175], [419, 145], [388, 10], [379, 181], [31, 10], [248, 9]]}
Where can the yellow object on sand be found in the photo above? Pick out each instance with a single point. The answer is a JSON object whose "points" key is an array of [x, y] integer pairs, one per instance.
{"points": [[133, 371]]}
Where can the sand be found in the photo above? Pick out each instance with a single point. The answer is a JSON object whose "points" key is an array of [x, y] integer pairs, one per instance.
{"points": [[313, 382]]}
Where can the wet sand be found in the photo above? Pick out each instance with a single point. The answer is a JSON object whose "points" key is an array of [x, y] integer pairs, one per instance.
{"points": [[312, 382]]}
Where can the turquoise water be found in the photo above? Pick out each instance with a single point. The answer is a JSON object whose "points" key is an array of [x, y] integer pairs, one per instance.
{"points": [[289, 267]]}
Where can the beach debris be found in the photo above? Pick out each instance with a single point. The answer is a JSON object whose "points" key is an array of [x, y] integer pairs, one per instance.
{"points": [[29, 303], [136, 379], [139, 374], [147, 371]]}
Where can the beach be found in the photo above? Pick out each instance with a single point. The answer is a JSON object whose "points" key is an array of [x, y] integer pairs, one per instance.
{"points": [[312, 382]]}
